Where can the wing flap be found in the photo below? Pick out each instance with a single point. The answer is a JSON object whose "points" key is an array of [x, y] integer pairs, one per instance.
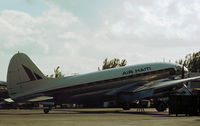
{"points": [[142, 94]]}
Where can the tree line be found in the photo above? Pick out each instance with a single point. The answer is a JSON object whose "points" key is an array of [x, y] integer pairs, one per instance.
{"points": [[107, 64], [191, 61], [114, 63]]}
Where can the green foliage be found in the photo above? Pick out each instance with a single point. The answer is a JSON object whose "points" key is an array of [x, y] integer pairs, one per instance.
{"points": [[57, 73], [114, 63], [191, 61]]}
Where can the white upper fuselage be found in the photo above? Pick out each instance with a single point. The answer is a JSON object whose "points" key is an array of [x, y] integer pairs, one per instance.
{"points": [[108, 74]]}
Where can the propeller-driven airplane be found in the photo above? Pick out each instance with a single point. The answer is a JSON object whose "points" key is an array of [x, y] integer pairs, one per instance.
{"points": [[26, 83]]}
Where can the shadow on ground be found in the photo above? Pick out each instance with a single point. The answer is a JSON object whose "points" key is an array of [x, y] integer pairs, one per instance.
{"points": [[81, 111], [93, 111]]}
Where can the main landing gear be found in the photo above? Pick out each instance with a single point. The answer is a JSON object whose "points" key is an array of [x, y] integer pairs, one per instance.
{"points": [[161, 106], [126, 106], [46, 110]]}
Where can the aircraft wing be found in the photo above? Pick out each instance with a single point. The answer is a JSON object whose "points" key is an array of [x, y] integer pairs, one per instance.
{"points": [[163, 84], [149, 89]]}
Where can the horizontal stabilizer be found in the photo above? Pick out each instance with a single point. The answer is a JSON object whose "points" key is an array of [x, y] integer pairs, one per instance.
{"points": [[2, 83], [8, 100]]}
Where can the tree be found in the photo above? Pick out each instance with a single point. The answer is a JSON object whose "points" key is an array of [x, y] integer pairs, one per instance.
{"points": [[191, 61], [114, 63], [57, 73]]}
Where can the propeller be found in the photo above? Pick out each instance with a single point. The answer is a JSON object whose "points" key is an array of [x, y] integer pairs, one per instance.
{"points": [[183, 72], [187, 89], [183, 76]]}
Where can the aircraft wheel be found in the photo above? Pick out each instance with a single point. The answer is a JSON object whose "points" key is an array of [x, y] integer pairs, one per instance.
{"points": [[46, 110], [126, 106], [161, 106]]}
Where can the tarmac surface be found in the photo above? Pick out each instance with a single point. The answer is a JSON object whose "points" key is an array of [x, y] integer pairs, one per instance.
{"points": [[94, 117]]}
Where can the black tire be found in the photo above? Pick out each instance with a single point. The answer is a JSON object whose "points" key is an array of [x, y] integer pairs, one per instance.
{"points": [[126, 106], [46, 110], [161, 106]]}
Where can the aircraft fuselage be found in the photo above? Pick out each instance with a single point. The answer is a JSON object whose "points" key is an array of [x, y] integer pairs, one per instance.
{"points": [[93, 85]]}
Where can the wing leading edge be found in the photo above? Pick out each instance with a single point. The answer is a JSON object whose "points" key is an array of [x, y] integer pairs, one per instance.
{"points": [[157, 85], [149, 89]]}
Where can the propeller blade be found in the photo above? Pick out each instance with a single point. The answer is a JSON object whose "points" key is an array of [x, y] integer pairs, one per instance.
{"points": [[187, 89], [183, 73]]}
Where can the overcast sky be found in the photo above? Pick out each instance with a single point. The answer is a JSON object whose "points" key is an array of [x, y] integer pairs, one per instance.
{"points": [[78, 35]]}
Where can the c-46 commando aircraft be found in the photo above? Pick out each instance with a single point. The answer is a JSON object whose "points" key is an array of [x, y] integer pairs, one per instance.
{"points": [[26, 83]]}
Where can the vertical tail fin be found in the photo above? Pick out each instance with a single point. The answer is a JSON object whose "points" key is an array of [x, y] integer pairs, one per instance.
{"points": [[21, 71]]}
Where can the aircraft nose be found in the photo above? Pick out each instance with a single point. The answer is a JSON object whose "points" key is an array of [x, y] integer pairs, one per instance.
{"points": [[181, 69]]}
